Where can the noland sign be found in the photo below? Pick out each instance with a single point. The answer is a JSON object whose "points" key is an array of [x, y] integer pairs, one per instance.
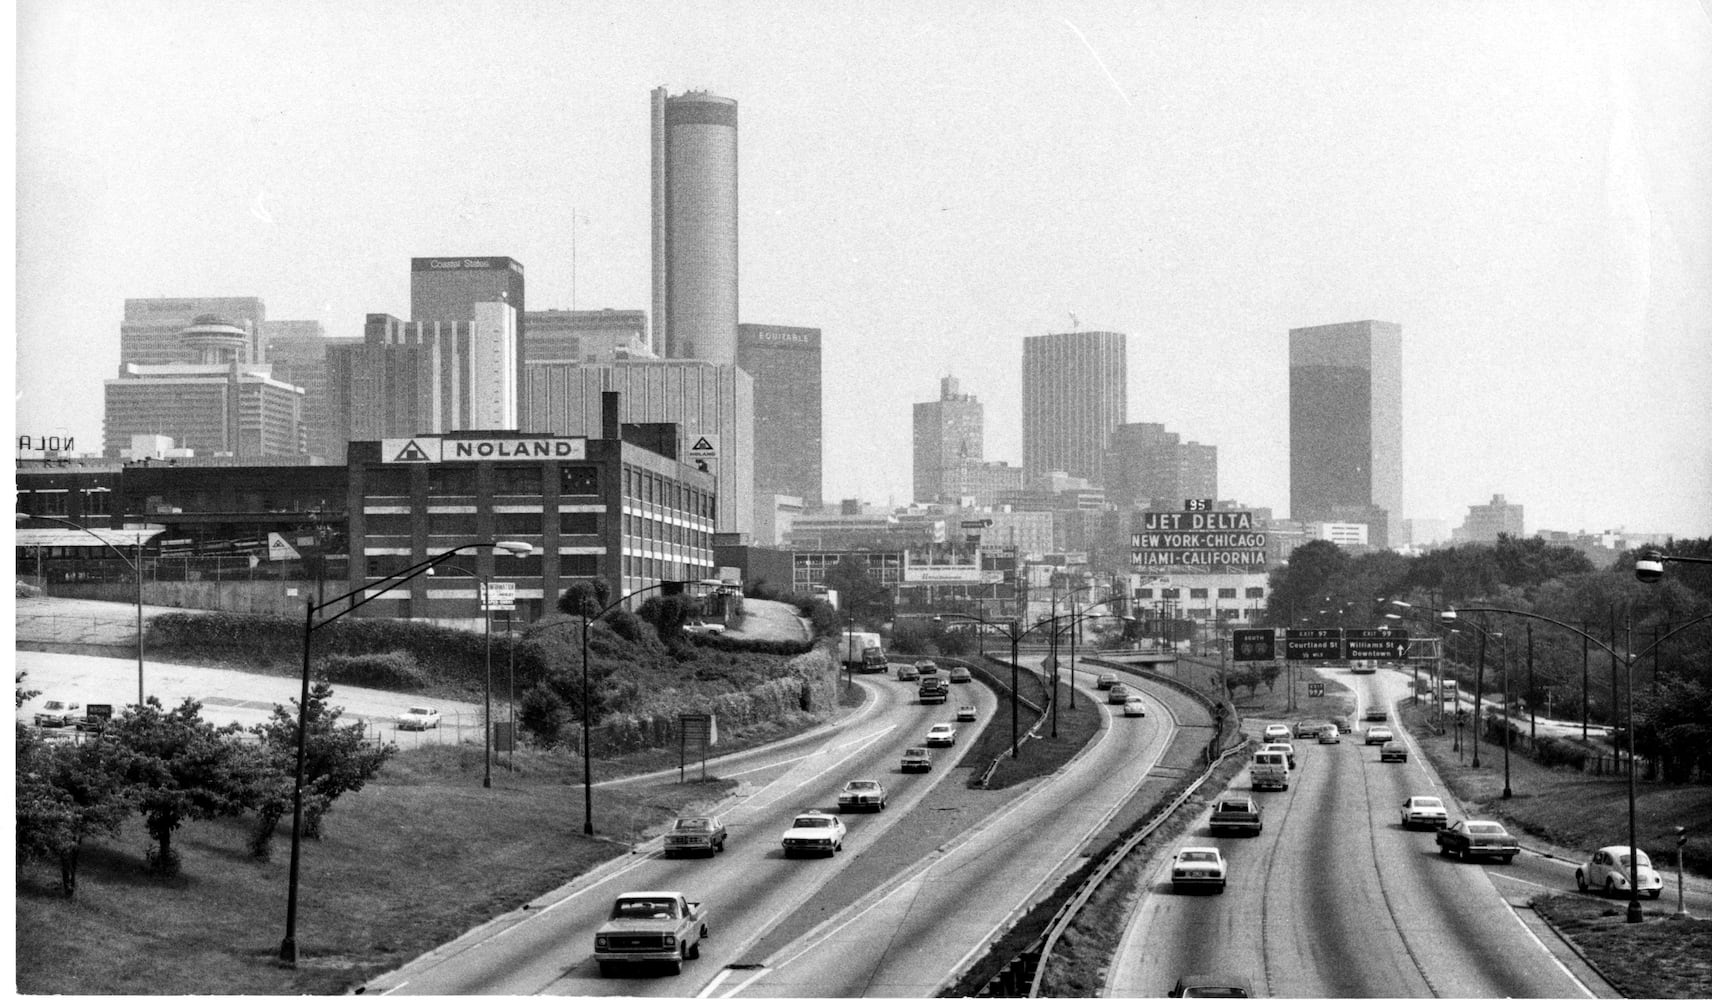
{"points": [[421, 450], [1198, 538]]}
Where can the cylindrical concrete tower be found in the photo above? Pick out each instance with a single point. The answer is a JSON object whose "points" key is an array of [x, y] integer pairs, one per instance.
{"points": [[695, 226]]}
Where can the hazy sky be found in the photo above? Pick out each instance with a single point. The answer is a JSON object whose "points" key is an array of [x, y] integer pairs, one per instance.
{"points": [[1525, 188]]}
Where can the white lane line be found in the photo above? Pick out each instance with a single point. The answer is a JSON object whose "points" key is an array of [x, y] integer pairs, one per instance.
{"points": [[797, 760], [713, 985], [1538, 885], [1555, 961]]}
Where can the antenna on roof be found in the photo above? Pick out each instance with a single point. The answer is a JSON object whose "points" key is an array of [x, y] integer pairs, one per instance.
{"points": [[1074, 323]]}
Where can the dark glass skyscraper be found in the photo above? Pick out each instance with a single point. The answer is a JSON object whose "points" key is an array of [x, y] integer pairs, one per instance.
{"points": [[1346, 425], [784, 362], [1074, 392]]}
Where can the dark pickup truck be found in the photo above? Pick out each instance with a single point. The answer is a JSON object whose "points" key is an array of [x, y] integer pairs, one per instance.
{"points": [[1236, 814], [932, 690]]}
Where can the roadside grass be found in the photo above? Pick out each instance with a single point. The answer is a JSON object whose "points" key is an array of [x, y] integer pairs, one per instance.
{"points": [[1273, 703], [1045, 753], [419, 856], [1655, 958]]}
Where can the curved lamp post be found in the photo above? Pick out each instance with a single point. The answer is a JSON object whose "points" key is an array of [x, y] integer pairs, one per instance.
{"points": [[1452, 621], [487, 686], [1072, 621], [136, 567], [366, 593], [1629, 658]]}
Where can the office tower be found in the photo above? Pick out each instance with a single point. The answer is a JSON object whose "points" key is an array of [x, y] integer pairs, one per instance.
{"points": [[948, 436], [784, 362], [715, 403], [212, 401], [447, 288], [152, 331], [1485, 522], [1346, 425], [694, 143], [297, 351], [1147, 465], [586, 335], [1074, 392]]}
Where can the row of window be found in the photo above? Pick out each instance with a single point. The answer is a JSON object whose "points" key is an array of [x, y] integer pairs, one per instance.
{"points": [[522, 480], [639, 530], [1200, 593], [505, 567], [58, 503], [663, 494], [439, 523]]}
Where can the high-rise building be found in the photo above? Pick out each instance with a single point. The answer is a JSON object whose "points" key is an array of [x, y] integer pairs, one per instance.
{"points": [[448, 288], [1074, 392], [784, 362], [948, 440], [1485, 522], [708, 403], [1346, 425], [297, 351], [587, 335], [1149, 466], [694, 143], [152, 330]]}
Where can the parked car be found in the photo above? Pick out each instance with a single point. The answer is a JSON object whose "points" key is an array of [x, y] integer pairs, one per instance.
{"points": [[1423, 810], [55, 713], [1330, 734], [1198, 867], [1117, 694], [1394, 752], [917, 759], [965, 713], [1134, 707], [1235, 814], [695, 835], [941, 734], [1478, 838], [419, 717], [961, 675], [862, 793], [1378, 734], [1608, 870], [907, 672], [1307, 729], [1276, 732], [1212, 984], [1104, 681], [814, 832]]}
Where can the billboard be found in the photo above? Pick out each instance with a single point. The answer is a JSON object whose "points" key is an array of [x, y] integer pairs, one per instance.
{"points": [[1197, 537]]}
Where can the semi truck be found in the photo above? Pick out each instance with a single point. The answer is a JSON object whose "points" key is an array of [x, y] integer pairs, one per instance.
{"points": [[855, 652]]}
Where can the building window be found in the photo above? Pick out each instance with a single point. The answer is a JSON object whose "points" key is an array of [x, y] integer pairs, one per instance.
{"points": [[1227, 592], [531, 523], [579, 480], [579, 524], [388, 524], [459, 482], [98, 501], [524, 567], [1197, 593], [51, 502], [1170, 593], [579, 566], [386, 482], [1144, 593], [517, 480], [1254, 592]]}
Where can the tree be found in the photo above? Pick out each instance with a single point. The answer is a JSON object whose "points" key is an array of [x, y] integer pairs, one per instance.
{"points": [[1299, 583], [67, 793], [180, 767], [669, 615], [585, 597], [336, 759], [862, 598]]}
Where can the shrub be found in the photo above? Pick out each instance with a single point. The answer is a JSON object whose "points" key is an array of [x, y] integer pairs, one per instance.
{"points": [[1555, 751], [22, 589], [394, 671]]}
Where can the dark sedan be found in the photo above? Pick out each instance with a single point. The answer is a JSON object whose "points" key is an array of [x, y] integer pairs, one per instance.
{"points": [[1478, 838]]}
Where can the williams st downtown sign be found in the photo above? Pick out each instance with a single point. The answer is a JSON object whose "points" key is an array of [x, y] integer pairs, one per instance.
{"points": [[1198, 536], [1321, 644]]}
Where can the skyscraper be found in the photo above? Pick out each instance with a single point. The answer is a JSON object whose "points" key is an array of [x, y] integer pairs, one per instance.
{"points": [[784, 362], [948, 441], [1074, 392], [694, 140], [1150, 466], [1346, 425], [447, 288], [297, 351], [587, 335], [152, 330]]}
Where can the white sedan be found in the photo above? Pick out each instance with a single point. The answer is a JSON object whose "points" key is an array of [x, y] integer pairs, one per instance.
{"points": [[1423, 810], [1378, 734], [814, 832], [942, 734], [419, 717], [1608, 870], [1195, 867], [1134, 707]]}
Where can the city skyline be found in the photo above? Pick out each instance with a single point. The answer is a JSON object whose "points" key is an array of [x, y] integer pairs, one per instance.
{"points": [[1522, 191]]}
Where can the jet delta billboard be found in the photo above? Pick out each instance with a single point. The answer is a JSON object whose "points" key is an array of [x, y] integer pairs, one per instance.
{"points": [[1198, 536]]}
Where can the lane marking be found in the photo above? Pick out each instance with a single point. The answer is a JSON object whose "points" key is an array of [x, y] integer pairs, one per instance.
{"points": [[1548, 953]]}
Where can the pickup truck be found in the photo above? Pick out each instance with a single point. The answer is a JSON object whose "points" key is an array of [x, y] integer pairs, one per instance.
{"points": [[659, 926], [1235, 814], [932, 690]]}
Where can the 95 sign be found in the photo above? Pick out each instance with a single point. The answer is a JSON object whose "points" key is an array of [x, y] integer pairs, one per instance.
{"points": [[1253, 644]]}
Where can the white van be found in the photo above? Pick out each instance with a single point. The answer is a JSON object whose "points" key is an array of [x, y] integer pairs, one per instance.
{"points": [[1269, 769]]}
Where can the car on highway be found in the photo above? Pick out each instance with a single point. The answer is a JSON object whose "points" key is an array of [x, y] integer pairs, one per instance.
{"points": [[814, 832], [1212, 984], [961, 675], [926, 668], [1276, 732], [1330, 734], [862, 793], [1393, 752], [658, 927], [1376, 713], [941, 734], [1104, 681], [1134, 707], [1287, 749], [55, 713], [1377, 734], [418, 717], [1344, 726], [1307, 729], [965, 713], [1235, 814], [917, 759], [1478, 838], [1423, 810], [1117, 694], [908, 672], [1608, 871], [695, 835], [1197, 868]]}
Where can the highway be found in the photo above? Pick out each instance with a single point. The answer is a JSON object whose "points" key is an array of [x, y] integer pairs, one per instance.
{"points": [[1334, 898]]}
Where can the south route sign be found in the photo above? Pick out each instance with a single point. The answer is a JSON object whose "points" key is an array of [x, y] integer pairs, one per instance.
{"points": [[1376, 643], [1253, 644], [1313, 644]]}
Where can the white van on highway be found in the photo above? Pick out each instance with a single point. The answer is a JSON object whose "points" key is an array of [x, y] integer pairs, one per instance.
{"points": [[1269, 769]]}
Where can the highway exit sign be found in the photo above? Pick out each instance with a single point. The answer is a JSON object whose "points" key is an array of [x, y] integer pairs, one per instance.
{"points": [[1253, 644], [1376, 643], [1313, 644]]}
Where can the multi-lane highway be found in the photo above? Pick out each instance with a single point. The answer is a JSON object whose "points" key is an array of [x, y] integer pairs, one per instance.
{"points": [[1334, 898]]}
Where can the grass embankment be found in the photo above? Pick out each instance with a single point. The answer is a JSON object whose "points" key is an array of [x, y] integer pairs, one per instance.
{"points": [[1656, 958], [419, 856]]}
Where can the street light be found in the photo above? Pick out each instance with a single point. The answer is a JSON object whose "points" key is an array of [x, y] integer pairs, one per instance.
{"points": [[1075, 620], [136, 570], [368, 592], [1629, 658], [487, 686]]}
